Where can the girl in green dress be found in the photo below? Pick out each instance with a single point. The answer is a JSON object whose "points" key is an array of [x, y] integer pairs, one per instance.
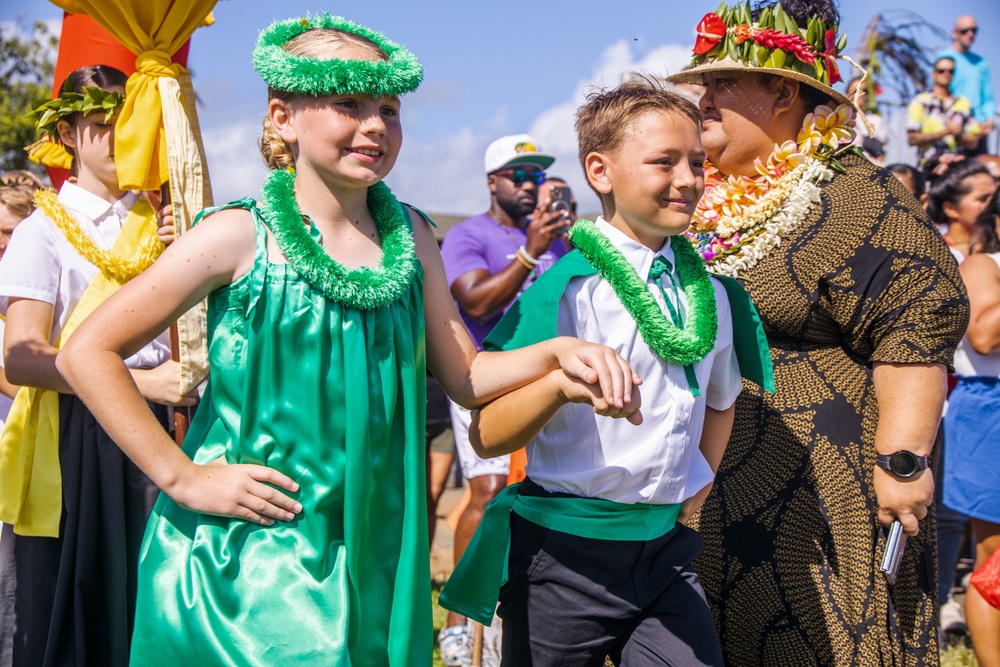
{"points": [[292, 527]]}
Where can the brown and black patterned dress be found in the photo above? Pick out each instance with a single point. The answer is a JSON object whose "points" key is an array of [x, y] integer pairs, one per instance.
{"points": [[790, 530]]}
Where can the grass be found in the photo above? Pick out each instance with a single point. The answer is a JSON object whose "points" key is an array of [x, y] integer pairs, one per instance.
{"points": [[440, 616]]}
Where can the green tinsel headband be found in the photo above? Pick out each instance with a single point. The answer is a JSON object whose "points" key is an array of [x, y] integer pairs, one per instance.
{"points": [[317, 77], [48, 112]]}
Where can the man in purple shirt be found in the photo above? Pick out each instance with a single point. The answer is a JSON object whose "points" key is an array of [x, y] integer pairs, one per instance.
{"points": [[489, 260]]}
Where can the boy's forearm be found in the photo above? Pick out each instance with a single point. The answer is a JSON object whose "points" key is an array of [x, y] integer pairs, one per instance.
{"points": [[513, 420]]}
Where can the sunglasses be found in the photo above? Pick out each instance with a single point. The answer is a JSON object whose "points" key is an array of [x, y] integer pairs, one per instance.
{"points": [[968, 30], [519, 176], [944, 71]]}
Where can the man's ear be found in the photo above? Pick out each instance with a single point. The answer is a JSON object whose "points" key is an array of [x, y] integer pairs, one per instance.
{"points": [[786, 93], [66, 132], [597, 167], [491, 183], [280, 114]]}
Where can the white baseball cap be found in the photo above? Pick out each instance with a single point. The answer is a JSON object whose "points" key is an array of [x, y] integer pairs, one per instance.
{"points": [[516, 149]]}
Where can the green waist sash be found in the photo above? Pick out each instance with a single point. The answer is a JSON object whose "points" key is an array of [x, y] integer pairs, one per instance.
{"points": [[474, 586]]}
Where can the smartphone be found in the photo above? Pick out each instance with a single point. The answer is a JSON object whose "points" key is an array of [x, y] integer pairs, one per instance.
{"points": [[560, 201], [895, 543]]}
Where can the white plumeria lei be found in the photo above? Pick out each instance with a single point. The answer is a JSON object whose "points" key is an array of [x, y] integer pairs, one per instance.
{"points": [[756, 243]]}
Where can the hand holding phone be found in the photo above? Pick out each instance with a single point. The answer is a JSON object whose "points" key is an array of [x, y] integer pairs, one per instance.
{"points": [[559, 201], [895, 543]]}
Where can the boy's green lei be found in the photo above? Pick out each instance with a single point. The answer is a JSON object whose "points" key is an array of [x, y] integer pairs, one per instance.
{"points": [[681, 346], [317, 77]]}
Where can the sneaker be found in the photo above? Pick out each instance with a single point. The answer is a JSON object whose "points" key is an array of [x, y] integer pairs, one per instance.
{"points": [[952, 618], [455, 646]]}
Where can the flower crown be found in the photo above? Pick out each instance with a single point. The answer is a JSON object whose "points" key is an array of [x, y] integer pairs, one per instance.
{"points": [[774, 41], [316, 77], [48, 112]]}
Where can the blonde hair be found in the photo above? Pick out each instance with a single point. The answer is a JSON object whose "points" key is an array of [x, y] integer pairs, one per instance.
{"points": [[603, 123], [18, 199], [318, 43]]}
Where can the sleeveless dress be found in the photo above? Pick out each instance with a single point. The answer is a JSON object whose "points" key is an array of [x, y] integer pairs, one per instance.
{"points": [[334, 398], [972, 434]]}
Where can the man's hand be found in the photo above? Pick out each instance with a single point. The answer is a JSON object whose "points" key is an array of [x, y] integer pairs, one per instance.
{"points": [[544, 228], [903, 499]]}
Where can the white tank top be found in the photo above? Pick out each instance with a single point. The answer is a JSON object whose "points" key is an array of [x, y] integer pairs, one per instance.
{"points": [[968, 362]]}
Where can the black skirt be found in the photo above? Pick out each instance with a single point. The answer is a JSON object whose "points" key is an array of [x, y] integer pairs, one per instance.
{"points": [[75, 595]]}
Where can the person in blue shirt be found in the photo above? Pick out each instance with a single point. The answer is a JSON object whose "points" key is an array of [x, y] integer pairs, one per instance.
{"points": [[972, 77]]}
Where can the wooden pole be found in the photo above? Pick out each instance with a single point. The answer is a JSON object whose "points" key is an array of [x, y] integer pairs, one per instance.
{"points": [[477, 644], [182, 416]]}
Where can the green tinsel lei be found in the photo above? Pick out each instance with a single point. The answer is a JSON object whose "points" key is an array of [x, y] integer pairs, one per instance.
{"points": [[317, 77], [363, 288], [681, 346]]}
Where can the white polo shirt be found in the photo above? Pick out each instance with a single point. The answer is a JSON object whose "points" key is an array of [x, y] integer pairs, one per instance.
{"points": [[40, 264], [658, 461]]}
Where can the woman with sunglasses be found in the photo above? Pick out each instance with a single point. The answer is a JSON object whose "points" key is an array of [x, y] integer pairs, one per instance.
{"points": [[940, 123]]}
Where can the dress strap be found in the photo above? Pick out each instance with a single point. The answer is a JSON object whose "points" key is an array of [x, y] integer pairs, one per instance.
{"points": [[258, 274]]}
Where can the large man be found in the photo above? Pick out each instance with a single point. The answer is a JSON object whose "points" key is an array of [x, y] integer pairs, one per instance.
{"points": [[939, 122], [489, 260], [972, 76]]}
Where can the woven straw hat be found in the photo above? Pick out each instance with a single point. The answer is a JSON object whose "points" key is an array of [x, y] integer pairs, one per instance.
{"points": [[729, 41]]}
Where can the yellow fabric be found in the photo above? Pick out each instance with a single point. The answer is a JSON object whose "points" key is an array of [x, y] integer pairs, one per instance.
{"points": [[157, 138], [50, 153], [30, 477]]}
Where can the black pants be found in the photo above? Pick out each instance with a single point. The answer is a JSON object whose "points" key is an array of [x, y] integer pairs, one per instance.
{"points": [[75, 597], [573, 601]]}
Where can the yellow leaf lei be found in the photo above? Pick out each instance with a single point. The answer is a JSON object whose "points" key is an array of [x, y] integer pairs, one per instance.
{"points": [[114, 267], [741, 218]]}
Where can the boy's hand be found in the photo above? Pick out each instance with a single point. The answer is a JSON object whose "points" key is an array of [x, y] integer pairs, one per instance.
{"points": [[598, 365], [574, 390], [165, 224], [237, 491], [693, 504]]}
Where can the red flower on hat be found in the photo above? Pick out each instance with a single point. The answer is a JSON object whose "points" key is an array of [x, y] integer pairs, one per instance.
{"points": [[830, 55], [710, 29], [794, 44]]}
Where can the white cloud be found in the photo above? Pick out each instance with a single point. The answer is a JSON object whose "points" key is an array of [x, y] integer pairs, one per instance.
{"points": [[234, 161]]}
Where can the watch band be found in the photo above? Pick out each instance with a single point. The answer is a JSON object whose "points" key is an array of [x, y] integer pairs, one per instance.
{"points": [[902, 463]]}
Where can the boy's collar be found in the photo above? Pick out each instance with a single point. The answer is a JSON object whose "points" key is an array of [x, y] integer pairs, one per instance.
{"points": [[638, 255]]}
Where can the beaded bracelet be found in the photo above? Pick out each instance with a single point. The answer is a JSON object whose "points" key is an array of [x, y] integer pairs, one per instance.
{"points": [[523, 261], [522, 252]]}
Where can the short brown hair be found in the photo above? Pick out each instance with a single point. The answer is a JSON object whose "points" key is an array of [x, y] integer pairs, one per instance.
{"points": [[18, 199], [605, 120]]}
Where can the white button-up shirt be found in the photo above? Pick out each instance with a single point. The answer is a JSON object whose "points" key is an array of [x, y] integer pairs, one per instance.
{"points": [[658, 461], [40, 264]]}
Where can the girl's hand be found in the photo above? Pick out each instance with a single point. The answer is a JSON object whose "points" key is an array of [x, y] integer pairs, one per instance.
{"points": [[574, 390], [165, 224], [598, 365], [160, 385], [237, 491]]}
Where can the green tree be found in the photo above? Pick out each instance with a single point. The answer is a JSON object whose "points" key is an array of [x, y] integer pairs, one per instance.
{"points": [[26, 68]]}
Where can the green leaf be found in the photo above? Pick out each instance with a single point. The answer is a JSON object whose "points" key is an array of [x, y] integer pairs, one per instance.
{"points": [[765, 20], [841, 42], [745, 15], [762, 54], [731, 48], [722, 8], [777, 59]]}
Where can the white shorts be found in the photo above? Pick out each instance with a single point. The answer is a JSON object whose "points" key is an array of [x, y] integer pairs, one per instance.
{"points": [[472, 464]]}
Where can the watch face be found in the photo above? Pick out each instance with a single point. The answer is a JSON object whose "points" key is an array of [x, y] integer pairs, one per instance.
{"points": [[903, 464]]}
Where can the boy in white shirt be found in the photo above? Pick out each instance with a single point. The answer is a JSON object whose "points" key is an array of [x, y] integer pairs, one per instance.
{"points": [[599, 561]]}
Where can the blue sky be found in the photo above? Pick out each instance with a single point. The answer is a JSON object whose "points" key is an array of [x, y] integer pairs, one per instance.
{"points": [[490, 69]]}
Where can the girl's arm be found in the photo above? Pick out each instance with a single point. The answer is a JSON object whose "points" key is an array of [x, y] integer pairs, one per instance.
{"points": [[209, 256], [982, 280], [513, 420], [714, 438], [31, 360], [472, 378]]}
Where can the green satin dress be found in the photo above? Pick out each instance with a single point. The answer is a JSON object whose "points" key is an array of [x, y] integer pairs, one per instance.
{"points": [[334, 398]]}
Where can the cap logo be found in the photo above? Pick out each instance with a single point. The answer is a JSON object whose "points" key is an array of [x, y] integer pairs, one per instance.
{"points": [[525, 147]]}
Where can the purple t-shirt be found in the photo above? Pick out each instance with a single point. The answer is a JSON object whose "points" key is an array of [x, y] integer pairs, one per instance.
{"points": [[481, 243]]}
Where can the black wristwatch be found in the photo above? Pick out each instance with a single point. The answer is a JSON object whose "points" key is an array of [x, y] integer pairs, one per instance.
{"points": [[903, 463]]}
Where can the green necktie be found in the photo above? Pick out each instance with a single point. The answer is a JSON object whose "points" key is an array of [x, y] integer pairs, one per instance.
{"points": [[661, 266]]}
